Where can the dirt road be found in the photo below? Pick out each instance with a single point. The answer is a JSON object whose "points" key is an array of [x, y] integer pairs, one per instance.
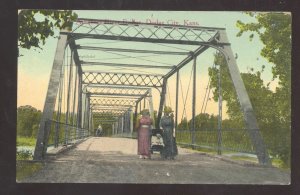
{"points": [[114, 160]]}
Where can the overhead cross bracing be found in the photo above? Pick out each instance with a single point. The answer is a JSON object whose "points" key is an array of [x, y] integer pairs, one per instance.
{"points": [[116, 90], [131, 54]]}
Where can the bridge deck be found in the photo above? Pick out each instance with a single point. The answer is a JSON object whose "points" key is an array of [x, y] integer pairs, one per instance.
{"points": [[114, 160]]}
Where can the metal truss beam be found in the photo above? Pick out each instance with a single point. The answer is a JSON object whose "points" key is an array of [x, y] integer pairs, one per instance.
{"points": [[109, 111], [44, 129], [138, 39], [110, 108], [113, 101], [82, 21], [244, 100], [126, 65], [129, 79], [113, 95], [143, 32], [132, 50], [116, 90], [190, 57]]}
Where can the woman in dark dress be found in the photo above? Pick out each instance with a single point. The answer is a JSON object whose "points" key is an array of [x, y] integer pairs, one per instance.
{"points": [[144, 128], [167, 123]]}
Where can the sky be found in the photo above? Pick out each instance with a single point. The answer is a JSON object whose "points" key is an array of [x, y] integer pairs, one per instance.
{"points": [[34, 67]]}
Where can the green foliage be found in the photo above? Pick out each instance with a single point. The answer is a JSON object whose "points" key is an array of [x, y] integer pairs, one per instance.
{"points": [[28, 119], [274, 30], [272, 109], [24, 155], [202, 122], [35, 26], [26, 141]]}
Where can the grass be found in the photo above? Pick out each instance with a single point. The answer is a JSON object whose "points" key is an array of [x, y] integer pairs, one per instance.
{"points": [[245, 158], [25, 169], [26, 141]]}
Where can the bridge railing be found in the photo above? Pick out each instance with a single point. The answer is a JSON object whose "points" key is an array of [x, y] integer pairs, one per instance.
{"points": [[64, 134], [132, 135], [226, 140], [213, 140]]}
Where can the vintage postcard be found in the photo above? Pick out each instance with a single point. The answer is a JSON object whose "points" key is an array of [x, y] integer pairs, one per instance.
{"points": [[154, 97]]}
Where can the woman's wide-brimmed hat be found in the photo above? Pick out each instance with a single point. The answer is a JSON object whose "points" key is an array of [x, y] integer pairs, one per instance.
{"points": [[168, 109], [145, 112]]}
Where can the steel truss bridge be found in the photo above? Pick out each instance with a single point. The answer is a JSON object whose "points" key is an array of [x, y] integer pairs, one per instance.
{"points": [[109, 91]]}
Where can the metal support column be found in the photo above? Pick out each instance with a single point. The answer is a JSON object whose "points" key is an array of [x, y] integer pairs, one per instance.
{"points": [[140, 106], [135, 115], [79, 106], [194, 102], [249, 115], [131, 121], [177, 91], [122, 122], [68, 99], [57, 125], [220, 116], [162, 101], [74, 97], [88, 112], [43, 134], [151, 109]]}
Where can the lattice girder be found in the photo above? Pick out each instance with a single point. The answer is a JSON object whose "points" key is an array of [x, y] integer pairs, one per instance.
{"points": [[112, 101], [100, 90], [124, 79], [138, 31]]}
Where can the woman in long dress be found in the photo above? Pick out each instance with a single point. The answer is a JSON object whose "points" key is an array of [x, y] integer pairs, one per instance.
{"points": [[144, 128], [167, 123]]}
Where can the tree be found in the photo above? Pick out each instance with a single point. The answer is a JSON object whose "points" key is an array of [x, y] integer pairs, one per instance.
{"points": [[272, 109], [34, 26], [28, 119], [274, 30]]}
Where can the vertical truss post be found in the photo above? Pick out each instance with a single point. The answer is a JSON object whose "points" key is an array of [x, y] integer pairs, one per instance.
{"points": [[88, 111], [68, 99], [122, 122], [249, 115], [69, 89], [162, 101], [220, 116], [74, 97], [116, 127], [131, 121], [79, 105], [140, 105], [135, 114], [125, 122], [121, 125], [42, 136], [177, 90], [194, 101], [83, 109], [57, 125], [91, 127], [151, 109]]}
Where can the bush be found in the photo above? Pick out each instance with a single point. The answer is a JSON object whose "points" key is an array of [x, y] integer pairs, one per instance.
{"points": [[24, 155]]}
